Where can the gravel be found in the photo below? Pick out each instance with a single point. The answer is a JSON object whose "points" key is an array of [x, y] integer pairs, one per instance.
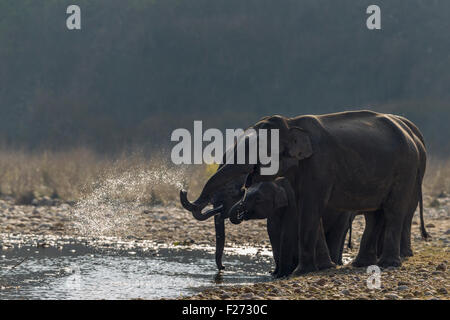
{"points": [[423, 276]]}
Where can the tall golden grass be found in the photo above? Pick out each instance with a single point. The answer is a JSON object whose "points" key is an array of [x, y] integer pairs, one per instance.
{"points": [[72, 175]]}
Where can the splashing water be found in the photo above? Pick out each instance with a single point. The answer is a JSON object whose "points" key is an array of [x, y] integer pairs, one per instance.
{"points": [[113, 207]]}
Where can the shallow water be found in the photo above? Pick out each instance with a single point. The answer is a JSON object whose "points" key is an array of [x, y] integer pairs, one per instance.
{"points": [[77, 270]]}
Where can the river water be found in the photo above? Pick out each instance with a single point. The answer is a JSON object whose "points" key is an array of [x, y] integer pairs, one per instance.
{"points": [[79, 269]]}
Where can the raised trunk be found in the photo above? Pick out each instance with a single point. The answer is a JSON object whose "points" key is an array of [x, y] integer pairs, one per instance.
{"points": [[224, 175], [196, 209]]}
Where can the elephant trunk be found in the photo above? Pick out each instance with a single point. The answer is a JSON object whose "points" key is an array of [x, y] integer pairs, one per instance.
{"points": [[196, 209], [219, 224], [225, 174], [236, 211]]}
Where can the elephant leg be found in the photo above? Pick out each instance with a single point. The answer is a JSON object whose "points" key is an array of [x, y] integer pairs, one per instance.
{"points": [[273, 229], [288, 256], [308, 231], [380, 239], [405, 242], [336, 238], [323, 258], [367, 254], [395, 212], [219, 225]]}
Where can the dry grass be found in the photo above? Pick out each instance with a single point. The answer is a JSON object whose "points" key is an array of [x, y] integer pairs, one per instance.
{"points": [[74, 174], [437, 177]]}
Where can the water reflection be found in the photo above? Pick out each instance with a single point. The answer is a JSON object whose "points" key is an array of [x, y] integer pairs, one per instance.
{"points": [[79, 271]]}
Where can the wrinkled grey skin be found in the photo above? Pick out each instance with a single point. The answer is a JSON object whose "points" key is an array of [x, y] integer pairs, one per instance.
{"points": [[276, 202], [356, 161]]}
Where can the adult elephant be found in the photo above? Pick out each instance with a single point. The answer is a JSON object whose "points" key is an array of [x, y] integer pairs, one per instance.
{"points": [[355, 161], [276, 202], [231, 192]]}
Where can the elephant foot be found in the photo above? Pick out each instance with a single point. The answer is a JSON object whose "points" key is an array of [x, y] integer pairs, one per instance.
{"points": [[360, 262], [328, 265], [301, 270], [406, 253], [280, 275], [389, 262]]}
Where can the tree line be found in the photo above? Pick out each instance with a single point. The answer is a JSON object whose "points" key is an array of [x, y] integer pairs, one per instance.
{"points": [[139, 69]]}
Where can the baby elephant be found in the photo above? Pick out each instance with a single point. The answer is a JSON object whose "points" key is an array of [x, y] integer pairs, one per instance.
{"points": [[276, 202]]}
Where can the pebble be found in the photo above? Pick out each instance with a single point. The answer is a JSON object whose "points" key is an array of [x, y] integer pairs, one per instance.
{"points": [[402, 288], [442, 290], [392, 296], [321, 282], [248, 296], [441, 267]]}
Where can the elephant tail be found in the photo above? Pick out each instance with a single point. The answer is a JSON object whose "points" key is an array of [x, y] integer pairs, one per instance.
{"points": [[424, 232]]}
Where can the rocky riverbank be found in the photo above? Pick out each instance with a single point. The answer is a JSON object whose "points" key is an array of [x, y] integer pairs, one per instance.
{"points": [[424, 276]]}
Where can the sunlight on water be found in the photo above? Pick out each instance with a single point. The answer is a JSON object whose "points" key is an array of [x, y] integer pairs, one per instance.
{"points": [[72, 269], [112, 207]]}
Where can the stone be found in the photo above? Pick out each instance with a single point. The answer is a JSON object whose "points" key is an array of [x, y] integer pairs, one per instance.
{"points": [[402, 288], [345, 292], [225, 296], [441, 267], [392, 296], [248, 296], [321, 282], [442, 290]]}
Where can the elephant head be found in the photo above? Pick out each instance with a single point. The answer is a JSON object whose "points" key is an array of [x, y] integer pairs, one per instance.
{"points": [[261, 200], [294, 145]]}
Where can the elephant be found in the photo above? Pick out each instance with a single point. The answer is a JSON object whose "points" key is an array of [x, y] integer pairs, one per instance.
{"points": [[352, 161], [227, 195], [276, 202], [372, 240]]}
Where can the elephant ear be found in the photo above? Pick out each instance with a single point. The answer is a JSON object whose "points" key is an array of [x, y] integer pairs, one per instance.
{"points": [[281, 199], [299, 145]]}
